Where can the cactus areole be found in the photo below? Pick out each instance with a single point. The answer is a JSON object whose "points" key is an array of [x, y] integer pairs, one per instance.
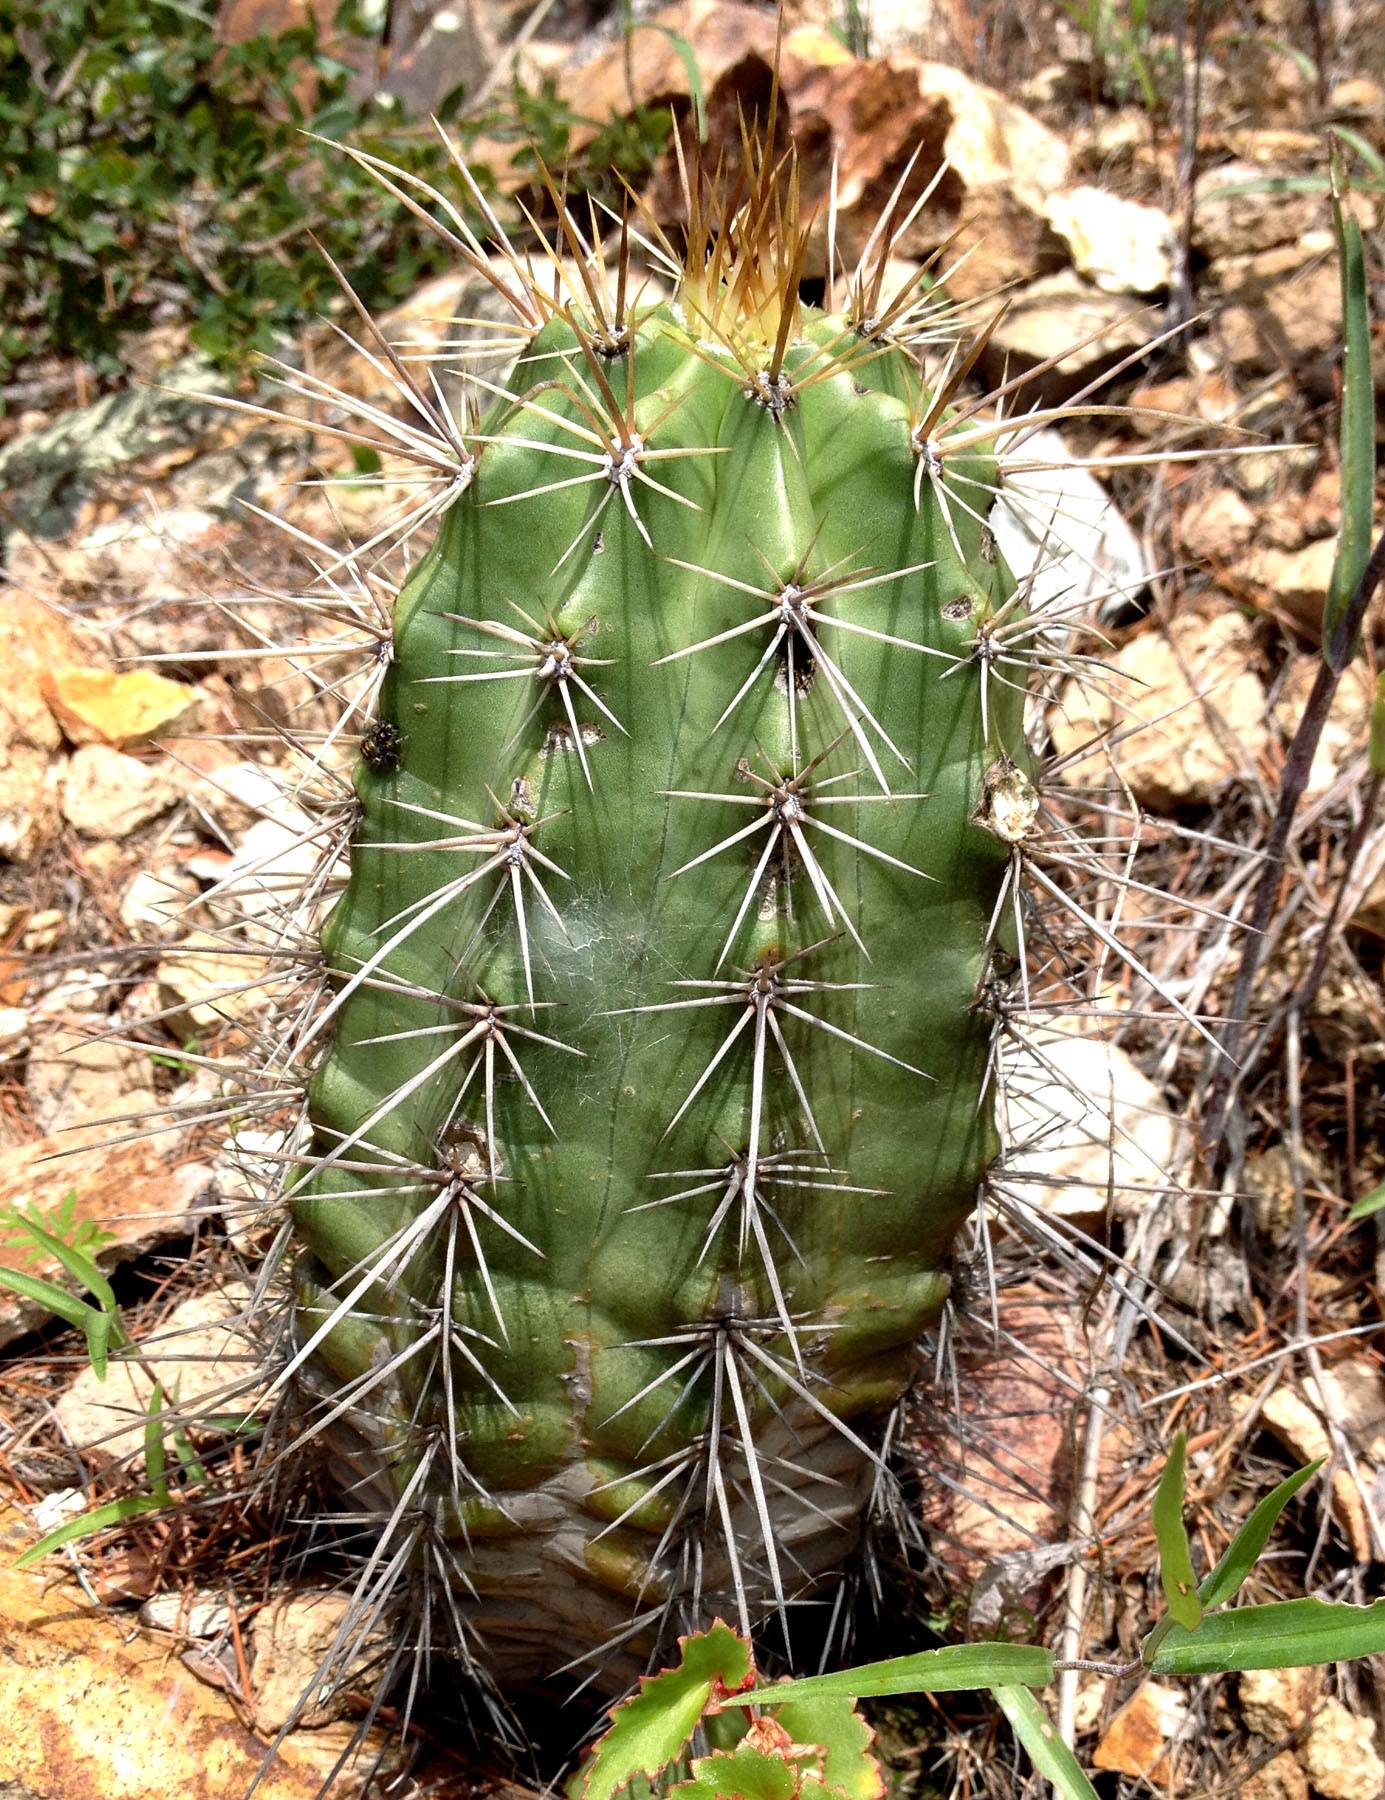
{"points": [[652, 1086]]}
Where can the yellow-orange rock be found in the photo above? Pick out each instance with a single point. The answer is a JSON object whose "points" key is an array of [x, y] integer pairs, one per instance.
{"points": [[91, 1714], [107, 706]]}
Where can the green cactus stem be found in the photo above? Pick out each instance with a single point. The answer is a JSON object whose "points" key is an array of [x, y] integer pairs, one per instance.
{"points": [[653, 1086]]}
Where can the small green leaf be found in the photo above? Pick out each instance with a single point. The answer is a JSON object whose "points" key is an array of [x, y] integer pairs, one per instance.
{"points": [[744, 1773], [114, 1512], [78, 1265], [1358, 411], [945, 1671], [1244, 1549], [652, 1728], [1175, 1560], [1374, 1202], [833, 1723], [1047, 1751], [1287, 1634]]}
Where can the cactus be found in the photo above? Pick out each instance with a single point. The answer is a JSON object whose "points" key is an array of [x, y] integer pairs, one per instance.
{"points": [[654, 1077]]}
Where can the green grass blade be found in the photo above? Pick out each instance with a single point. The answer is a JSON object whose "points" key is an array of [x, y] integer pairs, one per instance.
{"points": [[1373, 1202], [1287, 1634], [1358, 411], [1047, 1751], [1175, 1560], [47, 1294], [1244, 1549], [945, 1671], [155, 1456], [1378, 726], [688, 57], [114, 1512]]}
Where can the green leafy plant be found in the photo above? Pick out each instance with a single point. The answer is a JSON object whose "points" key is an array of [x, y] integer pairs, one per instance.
{"points": [[809, 1731], [151, 173], [100, 1324], [60, 1221]]}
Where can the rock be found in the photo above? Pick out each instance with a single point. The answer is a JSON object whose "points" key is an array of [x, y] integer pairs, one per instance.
{"points": [[1346, 728], [14, 1031], [1208, 396], [1298, 1424], [1275, 1702], [1083, 1128], [1235, 214], [199, 1353], [238, 796], [1294, 581], [153, 904], [1267, 474], [209, 983], [141, 1194], [992, 1526], [991, 140], [75, 1078], [1278, 1779], [1340, 1756], [1204, 707], [1137, 1740], [1217, 527], [31, 637], [1124, 247], [1088, 549], [293, 1637], [1357, 97], [196, 1615], [107, 794], [101, 706], [29, 785], [1064, 316], [132, 431], [1352, 1395], [1279, 310], [43, 929], [92, 1711], [1000, 242]]}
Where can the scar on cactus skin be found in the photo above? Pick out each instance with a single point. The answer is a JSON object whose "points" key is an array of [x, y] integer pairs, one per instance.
{"points": [[640, 1023]]}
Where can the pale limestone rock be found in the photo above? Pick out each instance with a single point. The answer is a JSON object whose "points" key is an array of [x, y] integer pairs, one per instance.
{"points": [[1122, 246], [1202, 706], [1232, 219], [1066, 317], [1217, 527], [75, 1078], [292, 1637], [1280, 1779], [1275, 1702], [1340, 1756], [1296, 581], [107, 794], [1084, 1126], [198, 1354]]}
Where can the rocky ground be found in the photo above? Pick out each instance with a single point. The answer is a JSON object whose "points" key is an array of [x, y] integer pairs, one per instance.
{"points": [[144, 707]]}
